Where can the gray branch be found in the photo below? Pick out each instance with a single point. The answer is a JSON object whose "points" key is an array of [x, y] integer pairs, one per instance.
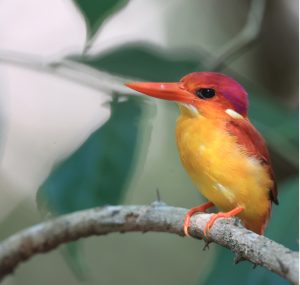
{"points": [[69, 69], [243, 39], [156, 218]]}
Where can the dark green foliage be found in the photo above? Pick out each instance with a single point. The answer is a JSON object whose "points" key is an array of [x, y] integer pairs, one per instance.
{"points": [[141, 61], [284, 223], [97, 172], [95, 12]]}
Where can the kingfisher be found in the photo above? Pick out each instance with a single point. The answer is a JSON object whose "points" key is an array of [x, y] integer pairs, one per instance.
{"points": [[223, 153]]}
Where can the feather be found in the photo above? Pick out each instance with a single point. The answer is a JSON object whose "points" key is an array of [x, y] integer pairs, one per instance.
{"points": [[253, 143]]}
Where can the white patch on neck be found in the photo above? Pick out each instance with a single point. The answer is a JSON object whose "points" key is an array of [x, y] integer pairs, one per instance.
{"points": [[233, 114], [191, 108], [202, 148], [254, 162]]}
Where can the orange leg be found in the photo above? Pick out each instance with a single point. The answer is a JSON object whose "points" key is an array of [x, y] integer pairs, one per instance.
{"points": [[229, 214], [191, 212]]}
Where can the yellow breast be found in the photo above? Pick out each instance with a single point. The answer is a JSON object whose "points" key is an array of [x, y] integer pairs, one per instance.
{"points": [[221, 170]]}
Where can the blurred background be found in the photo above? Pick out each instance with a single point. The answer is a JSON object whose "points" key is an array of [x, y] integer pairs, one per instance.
{"points": [[72, 137]]}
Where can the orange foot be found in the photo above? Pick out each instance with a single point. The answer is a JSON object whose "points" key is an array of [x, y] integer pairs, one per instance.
{"points": [[229, 214], [191, 212]]}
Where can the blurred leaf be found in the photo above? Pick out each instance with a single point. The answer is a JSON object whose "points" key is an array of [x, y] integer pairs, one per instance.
{"points": [[96, 174], [259, 103], [96, 11], [142, 62], [278, 125], [272, 114], [73, 255], [289, 128], [283, 228], [284, 223]]}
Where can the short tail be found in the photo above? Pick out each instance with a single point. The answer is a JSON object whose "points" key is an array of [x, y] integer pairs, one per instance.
{"points": [[258, 224]]}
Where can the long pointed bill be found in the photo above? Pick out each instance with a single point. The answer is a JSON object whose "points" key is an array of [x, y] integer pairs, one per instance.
{"points": [[168, 91]]}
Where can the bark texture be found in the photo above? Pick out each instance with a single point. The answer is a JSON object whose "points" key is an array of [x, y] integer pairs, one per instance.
{"points": [[157, 217]]}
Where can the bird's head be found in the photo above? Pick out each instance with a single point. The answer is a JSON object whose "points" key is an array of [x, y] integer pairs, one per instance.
{"points": [[206, 93]]}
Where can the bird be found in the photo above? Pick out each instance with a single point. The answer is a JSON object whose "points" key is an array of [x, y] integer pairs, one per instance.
{"points": [[223, 153]]}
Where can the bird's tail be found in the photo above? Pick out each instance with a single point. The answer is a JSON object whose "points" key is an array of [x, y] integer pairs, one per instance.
{"points": [[258, 224]]}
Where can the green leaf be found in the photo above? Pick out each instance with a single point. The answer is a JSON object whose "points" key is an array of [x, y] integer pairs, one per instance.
{"points": [[278, 125], [283, 228], [142, 61], [97, 173], [272, 114], [73, 255], [284, 224], [96, 11]]}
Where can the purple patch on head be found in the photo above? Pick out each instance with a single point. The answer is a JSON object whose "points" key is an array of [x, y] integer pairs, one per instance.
{"points": [[237, 96]]}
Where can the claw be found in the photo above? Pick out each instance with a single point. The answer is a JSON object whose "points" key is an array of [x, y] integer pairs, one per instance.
{"points": [[206, 246], [191, 212], [219, 215]]}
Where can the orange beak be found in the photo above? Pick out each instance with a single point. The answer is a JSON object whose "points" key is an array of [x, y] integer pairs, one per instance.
{"points": [[162, 90]]}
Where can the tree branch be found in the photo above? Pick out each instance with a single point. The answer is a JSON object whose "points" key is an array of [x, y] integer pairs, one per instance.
{"points": [[68, 69], [243, 39], [157, 218]]}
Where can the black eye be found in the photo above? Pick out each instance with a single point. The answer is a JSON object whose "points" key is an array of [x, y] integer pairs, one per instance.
{"points": [[205, 93]]}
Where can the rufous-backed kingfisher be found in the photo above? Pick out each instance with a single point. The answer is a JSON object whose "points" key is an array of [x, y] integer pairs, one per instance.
{"points": [[220, 149]]}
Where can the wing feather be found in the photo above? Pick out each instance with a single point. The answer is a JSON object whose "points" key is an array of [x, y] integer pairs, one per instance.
{"points": [[254, 144]]}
